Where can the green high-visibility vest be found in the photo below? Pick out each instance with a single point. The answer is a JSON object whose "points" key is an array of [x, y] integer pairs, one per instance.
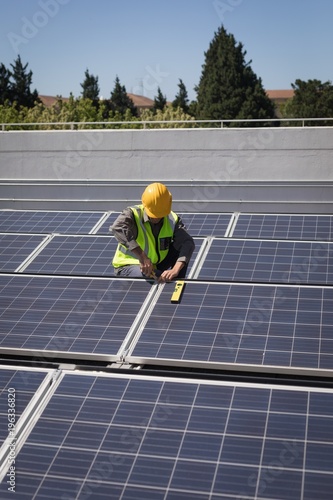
{"points": [[156, 249]]}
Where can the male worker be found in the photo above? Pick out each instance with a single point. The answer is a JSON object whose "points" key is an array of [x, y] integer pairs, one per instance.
{"points": [[152, 240]]}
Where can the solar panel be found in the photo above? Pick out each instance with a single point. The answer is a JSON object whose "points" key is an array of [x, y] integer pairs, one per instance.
{"points": [[82, 255], [17, 386], [126, 437], [88, 318], [22, 221], [268, 261], [197, 224], [235, 326], [15, 248], [105, 227], [278, 226], [207, 224]]}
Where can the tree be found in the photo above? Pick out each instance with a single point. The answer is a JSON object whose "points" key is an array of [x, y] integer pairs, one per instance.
{"points": [[4, 84], [312, 99], [228, 87], [120, 101], [20, 85], [90, 88], [181, 99], [159, 101]]}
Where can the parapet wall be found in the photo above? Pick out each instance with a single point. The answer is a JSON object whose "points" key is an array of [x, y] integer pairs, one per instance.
{"points": [[266, 169]]}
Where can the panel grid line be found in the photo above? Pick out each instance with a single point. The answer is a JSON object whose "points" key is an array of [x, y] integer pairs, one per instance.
{"points": [[222, 443], [260, 464]]}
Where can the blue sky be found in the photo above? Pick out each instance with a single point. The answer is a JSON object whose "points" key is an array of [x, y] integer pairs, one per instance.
{"points": [[151, 43]]}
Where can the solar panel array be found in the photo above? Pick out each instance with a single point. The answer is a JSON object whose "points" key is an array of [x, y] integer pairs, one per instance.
{"points": [[130, 437], [259, 300]]}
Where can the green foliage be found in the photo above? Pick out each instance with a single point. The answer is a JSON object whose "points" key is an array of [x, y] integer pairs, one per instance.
{"points": [[312, 99], [228, 87], [181, 100], [10, 114], [228, 90], [64, 113], [20, 83], [90, 87], [169, 113], [120, 101], [4, 84], [160, 101]]}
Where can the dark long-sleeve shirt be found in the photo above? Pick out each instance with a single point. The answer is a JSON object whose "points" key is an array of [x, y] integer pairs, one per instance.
{"points": [[125, 231]]}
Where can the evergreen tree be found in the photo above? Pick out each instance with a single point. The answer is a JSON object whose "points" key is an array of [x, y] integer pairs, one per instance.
{"points": [[228, 87], [120, 101], [90, 88], [159, 101], [4, 84], [181, 99], [20, 85], [312, 99]]}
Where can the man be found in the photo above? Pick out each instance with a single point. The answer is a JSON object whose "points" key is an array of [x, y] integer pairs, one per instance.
{"points": [[152, 240]]}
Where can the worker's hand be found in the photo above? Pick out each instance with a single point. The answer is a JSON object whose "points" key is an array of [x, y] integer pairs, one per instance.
{"points": [[167, 276], [171, 274], [146, 265]]}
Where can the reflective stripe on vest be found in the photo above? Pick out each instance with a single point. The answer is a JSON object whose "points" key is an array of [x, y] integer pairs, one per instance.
{"points": [[146, 240]]}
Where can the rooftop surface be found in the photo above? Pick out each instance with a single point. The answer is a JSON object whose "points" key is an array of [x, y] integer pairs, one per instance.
{"points": [[121, 393]]}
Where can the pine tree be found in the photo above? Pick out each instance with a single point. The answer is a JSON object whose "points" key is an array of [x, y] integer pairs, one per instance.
{"points": [[4, 84], [90, 87], [20, 85], [181, 99], [159, 101], [120, 101], [228, 87], [312, 99]]}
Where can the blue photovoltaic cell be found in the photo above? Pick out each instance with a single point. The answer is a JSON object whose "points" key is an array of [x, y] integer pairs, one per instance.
{"points": [[105, 227], [269, 261], [293, 227], [206, 224], [120, 437], [18, 386], [82, 255], [15, 248], [240, 324], [195, 223], [19, 221], [75, 315]]}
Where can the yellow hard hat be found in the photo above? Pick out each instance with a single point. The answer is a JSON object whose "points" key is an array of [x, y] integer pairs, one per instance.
{"points": [[157, 200]]}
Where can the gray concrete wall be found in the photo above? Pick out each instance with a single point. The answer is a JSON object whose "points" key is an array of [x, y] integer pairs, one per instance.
{"points": [[278, 169]]}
